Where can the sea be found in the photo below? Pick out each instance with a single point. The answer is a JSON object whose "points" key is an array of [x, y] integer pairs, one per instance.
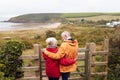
{"points": [[6, 26], [9, 26]]}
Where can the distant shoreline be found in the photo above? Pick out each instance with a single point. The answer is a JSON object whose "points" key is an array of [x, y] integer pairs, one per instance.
{"points": [[27, 26]]}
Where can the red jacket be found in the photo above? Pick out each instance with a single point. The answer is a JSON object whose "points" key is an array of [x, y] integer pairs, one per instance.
{"points": [[52, 65]]}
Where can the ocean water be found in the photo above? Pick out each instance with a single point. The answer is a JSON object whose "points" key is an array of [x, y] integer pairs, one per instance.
{"points": [[5, 26], [8, 26]]}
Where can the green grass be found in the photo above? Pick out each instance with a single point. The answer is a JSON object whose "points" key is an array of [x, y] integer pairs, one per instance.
{"points": [[78, 15]]}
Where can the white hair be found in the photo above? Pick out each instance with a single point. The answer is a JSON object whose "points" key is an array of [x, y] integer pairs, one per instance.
{"points": [[65, 33], [51, 41]]}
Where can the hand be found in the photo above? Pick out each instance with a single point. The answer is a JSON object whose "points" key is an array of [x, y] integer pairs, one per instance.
{"points": [[75, 59], [43, 50]]}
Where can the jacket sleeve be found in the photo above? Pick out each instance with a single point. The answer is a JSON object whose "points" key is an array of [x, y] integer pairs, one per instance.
{"points": [[59, 54], [67, 61], [44, 56]]}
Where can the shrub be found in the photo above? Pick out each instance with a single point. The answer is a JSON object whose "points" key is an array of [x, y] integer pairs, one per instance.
{"points": [[102, 22], [50, 34], [37, 36], [9, 58], [4, 78], [28, 44], [114, 56]]}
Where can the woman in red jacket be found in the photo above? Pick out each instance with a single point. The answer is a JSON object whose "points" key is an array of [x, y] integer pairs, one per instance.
{"points": [[52, 65]]}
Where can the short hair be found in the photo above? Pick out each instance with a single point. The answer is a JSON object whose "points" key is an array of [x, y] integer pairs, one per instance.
{"points": [[65, 33], [51, 41]]}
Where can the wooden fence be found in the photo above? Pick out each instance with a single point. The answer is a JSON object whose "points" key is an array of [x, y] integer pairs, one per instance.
{"points": [[88, 67]]}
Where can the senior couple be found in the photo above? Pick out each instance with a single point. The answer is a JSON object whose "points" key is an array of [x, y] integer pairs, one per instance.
{"points": [[60, 61]]}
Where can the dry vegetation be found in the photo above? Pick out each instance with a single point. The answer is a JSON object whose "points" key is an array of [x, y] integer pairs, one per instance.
{"points": [[97, 18], [83, 34]]}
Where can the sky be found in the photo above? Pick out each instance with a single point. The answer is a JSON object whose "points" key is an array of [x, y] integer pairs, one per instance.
{"points": [[19, 7]]}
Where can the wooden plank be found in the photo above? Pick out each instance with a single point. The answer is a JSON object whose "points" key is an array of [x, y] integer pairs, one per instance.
{"points": [[106, 45], [99, 63], [81, 59], [76, 73], [92, 48], [100, 53], [43, 68], [106, 48], [44, 75], [81, 56], [87, 63], [82, 50], [76, 78], [99, 73], [29, 78], [33, 68], [29, 57], [37, 78], [42, 61]]}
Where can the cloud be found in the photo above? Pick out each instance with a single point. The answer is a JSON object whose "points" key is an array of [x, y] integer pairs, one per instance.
{"points": [[44, 6]]}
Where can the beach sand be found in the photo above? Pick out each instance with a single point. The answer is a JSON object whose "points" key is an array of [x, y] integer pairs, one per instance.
{"points": [[31, 26]]}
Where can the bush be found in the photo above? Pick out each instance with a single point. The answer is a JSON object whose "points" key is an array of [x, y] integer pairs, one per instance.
{"points": [[114, 56], [37, 36], [4, 78], [50, 34], [10, 61], [28, 44]]}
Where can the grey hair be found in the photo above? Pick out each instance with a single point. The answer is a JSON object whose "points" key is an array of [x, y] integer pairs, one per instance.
{"points": [[51, 42], [65, 33]]}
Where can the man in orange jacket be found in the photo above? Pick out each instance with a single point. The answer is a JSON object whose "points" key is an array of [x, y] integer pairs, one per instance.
{"points": [[68, 49]]}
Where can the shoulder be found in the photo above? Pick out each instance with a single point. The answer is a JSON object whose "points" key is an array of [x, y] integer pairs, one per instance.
{"points": [[64, 43]]}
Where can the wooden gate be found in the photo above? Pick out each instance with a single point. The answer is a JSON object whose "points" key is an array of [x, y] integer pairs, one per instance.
{"points": [[87, 63]]}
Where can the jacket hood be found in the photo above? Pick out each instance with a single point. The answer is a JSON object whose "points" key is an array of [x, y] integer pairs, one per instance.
{"points": [[72, 43]]}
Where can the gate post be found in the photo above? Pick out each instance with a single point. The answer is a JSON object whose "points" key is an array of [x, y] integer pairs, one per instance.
{"points": [[92, 48], [87, 62], [37, 50], [106, 48]]}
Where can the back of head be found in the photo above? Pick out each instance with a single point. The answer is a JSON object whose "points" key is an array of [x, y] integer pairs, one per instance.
{"points": [[51, 42], [65, 33]]}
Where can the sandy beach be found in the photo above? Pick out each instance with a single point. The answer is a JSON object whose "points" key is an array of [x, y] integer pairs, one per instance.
{"points": [[39, 25], [29, 26]]}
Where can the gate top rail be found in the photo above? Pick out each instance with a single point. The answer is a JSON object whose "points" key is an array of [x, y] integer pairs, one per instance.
{"points": [[82, 50]]}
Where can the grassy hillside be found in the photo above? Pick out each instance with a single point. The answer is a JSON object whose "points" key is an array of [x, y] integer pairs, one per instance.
{"points": [[60, 17], [43, 18], [79, 15]]}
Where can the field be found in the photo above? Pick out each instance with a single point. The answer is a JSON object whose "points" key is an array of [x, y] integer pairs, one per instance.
{"points": [[78, 15], [82, 34], [97, 18]]}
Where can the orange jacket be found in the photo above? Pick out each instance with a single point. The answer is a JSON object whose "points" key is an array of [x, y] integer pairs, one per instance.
{"points": [[68, 49]]}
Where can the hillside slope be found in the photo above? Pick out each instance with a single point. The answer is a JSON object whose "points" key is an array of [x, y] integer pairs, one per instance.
{"points": [[55, 17]]}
